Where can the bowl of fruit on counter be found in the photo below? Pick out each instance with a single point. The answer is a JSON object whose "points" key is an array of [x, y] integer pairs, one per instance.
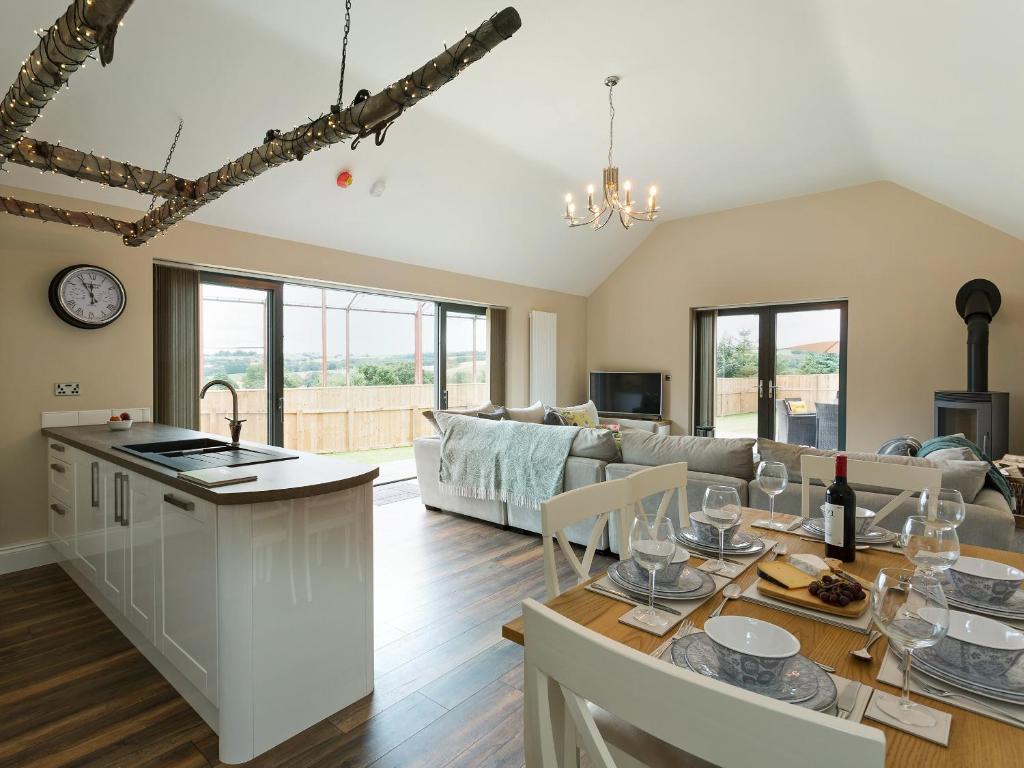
{"points": [[120, 422]]}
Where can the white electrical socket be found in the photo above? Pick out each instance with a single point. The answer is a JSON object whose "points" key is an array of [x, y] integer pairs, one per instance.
{"points": [[69, 389]]}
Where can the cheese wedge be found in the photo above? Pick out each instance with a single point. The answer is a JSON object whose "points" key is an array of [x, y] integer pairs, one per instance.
{"points": [[784, 575], [812, 565]]}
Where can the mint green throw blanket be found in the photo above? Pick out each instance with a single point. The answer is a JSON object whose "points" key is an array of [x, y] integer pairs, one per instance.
{"points": [[510, 461], [994, 478]]}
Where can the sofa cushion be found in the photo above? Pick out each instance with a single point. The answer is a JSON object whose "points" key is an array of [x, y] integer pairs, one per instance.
{"points": [[553, 418], [431, 415], [595, 444], [498, 414], [733, 457], [968, 477], [533, 414], [580, 415]]}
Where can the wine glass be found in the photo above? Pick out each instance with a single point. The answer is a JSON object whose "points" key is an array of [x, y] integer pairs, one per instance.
{"points": [[931, 545], [772, 478], [652, 543], [722, 509], [911, 609], [946, 505]]}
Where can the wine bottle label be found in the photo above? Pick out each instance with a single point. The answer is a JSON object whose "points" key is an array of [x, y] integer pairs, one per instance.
{"points": [[833, 519]]}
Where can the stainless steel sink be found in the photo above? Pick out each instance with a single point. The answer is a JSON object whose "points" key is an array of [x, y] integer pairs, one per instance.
{"points": [[202, 453]]}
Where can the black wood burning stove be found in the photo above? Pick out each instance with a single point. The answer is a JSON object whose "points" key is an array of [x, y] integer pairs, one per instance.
{"points": [[982, 416]]}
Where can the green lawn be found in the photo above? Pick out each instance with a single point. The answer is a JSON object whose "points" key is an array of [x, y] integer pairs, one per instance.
{"points": [[736, 424], [377, 456]]}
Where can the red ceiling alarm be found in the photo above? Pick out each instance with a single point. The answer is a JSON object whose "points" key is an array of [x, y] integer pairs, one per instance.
{"points": [[345, 179]]}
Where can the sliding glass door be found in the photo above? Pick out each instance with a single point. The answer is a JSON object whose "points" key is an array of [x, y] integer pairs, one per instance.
{"points": [[779, 372], [462, 356]]}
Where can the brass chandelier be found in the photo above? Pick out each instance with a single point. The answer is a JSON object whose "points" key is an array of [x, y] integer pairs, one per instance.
{"points": [[598, 215]]}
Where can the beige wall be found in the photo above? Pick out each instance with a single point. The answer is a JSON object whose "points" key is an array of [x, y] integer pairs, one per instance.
{"points": [[114, 365], [898, 257]]}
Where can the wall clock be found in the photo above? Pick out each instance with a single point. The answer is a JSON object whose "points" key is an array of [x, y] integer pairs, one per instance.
{"points": [[87, 297]]}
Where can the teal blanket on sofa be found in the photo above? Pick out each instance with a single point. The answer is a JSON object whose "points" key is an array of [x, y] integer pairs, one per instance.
{"points": [[510, 461], [994, 478]]}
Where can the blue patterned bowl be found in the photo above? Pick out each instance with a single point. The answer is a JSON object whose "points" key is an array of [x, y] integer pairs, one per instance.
{"points": [[985, 581], [977, 646], [750, 652], [706, 531], [636, 574]]}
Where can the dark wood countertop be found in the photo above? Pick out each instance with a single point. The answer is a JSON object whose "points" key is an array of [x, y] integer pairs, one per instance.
{"points": [[308, 475]]}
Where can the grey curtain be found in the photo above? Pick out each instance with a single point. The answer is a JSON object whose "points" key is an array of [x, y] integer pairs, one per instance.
{"points": [[496, 322], [176, 346], [704, 372]]}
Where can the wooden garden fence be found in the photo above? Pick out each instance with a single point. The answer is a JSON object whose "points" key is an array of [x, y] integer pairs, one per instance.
{"points": [[740, 395]]}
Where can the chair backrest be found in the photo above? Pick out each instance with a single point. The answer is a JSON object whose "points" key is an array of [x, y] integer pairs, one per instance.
{"points": [[670, 481], [827, 425], [714, 721], [565, 509], [901, 477]]}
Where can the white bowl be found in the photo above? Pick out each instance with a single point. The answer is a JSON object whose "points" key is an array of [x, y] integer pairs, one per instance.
{"points": [[752, 637], [979, 630], [975, 645], [119, 426], [865, 519], [987, 569]]}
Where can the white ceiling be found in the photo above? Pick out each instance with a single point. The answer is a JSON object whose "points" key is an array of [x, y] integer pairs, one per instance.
{"points": [[722, 103]]}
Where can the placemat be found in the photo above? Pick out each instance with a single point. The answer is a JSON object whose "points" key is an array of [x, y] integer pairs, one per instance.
{"points": [[685, 607], [861, 624], [938, 733], [891, 673]]}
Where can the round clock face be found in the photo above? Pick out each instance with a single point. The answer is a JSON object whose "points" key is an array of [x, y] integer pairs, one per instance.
{"points": [[87, 297]]}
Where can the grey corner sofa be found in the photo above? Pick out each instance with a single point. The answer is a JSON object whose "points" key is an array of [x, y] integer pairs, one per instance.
{"points": [[711, 461]]}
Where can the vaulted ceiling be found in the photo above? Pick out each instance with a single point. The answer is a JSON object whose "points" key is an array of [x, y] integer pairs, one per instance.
{"points": [[722, 103]]}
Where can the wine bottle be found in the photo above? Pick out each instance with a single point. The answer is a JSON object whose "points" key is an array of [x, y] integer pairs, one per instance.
{"points": [[840, 513]]}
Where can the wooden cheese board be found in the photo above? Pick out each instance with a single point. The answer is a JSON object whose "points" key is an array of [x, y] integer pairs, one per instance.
{"points": [[805, 599]]}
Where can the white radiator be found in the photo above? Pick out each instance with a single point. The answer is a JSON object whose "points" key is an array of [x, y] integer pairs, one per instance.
{"points": [[543, 356]]}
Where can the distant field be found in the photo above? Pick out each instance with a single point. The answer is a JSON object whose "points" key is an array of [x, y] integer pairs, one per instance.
{"points": [[738, 424], [376, 456]]}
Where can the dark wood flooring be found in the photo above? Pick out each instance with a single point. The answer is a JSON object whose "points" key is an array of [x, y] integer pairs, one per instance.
{"points": [[75, 692]]}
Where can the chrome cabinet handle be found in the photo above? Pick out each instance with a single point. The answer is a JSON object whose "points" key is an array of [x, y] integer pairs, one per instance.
{"points": [[188, 506], [57, 447], [57, 468], [58, 509], [117, 497], [125, 500], [95, 480]]}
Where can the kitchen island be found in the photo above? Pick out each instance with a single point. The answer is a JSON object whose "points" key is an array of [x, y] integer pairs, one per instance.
{"points": [[254, 600]]}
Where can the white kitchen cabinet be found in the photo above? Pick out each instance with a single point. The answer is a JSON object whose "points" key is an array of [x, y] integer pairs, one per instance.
{"points": [[187, 633], [89, 516], [62, 526], [115, 538], [140, 514]]}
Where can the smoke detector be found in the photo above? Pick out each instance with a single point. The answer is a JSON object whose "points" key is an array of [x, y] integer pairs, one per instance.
{"points": [[378, 187]]}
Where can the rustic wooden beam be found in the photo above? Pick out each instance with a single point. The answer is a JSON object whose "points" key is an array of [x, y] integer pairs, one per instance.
{"points": [[87, 166], [370, 117], [61, 216], [62, 50]]}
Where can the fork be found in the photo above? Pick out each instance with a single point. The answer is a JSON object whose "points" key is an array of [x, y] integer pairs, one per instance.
{"points": [[684, 629], [942, 693]]}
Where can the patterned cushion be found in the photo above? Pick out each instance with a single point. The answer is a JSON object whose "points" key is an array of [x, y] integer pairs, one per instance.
{"points": [[581, 415]]}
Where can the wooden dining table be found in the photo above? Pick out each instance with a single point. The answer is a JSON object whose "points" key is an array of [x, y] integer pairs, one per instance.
{"points": [[974, 740]]}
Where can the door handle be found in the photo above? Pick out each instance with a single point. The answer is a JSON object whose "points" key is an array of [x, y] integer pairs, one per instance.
{"points": [[57, 447], [771, 389], [58, 509], [95, 484], [760, 388], [188, 506], [117, 497], [125, 497], [57, 468]]}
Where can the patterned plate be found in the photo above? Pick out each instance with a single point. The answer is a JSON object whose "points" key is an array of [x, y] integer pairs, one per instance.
{"points": [[804, 682], [875, 535], [742, 543], [678, 578], [1008, 687], [1013, 609], [707, 587]]}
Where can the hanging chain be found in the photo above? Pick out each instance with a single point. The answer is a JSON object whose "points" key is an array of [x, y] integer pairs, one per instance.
{"points": [[167, 162], [611, 123], [344, 47]]}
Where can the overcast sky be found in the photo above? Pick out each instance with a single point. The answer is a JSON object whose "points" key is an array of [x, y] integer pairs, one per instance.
{"points": [[793, 328]]}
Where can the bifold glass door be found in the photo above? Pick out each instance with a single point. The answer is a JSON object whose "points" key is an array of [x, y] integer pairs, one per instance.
{"points": [[779, 372], [462, 356]]}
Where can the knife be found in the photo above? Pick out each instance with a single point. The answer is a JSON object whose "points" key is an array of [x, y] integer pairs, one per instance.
{"points": [[848, 699]]}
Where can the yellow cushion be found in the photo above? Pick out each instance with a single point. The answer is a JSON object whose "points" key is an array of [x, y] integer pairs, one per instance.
{"points": [[580, 415]]}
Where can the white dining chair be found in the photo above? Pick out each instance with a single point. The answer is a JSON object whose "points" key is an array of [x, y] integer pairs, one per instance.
{"points": [[597, 501], [625, 708], [668, 480], [904, 478]]}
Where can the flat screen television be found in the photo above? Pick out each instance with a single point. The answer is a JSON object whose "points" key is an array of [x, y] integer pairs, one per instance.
{"points": [[626, 393]]}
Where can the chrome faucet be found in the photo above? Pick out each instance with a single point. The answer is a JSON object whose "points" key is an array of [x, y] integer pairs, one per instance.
{"points": [[236, 425]]}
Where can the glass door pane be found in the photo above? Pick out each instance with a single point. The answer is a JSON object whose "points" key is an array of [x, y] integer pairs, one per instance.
{"points": [[806, 382], [737, 340], [464, 380], [233, 345]]}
